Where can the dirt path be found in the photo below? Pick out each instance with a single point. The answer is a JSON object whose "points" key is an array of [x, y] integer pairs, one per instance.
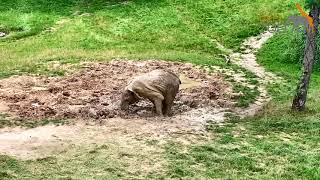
{"points": [[186, 125], [247, 59]]}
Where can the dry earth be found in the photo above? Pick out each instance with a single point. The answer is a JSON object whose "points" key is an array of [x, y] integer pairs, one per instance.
{"points": [[94, 93], [92, 96]]}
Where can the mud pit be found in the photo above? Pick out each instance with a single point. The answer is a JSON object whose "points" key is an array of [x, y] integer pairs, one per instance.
{"points": [[93, 95], [94, 92]]}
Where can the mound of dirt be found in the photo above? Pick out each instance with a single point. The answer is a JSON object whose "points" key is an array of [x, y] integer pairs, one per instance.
{"points": [[94, 92]]}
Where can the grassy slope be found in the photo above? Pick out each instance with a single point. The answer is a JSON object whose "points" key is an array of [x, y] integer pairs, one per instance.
{"points": [[278, 144], [41, 31]]}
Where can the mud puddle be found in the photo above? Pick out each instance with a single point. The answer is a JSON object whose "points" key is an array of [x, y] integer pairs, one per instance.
{"points": [[94, 92]]}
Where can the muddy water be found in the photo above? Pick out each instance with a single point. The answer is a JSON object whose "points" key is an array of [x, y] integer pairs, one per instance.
{"points": [[188, 83]]}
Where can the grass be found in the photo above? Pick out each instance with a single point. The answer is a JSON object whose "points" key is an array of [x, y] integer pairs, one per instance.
{"points": [[283, 55], [79, 30], [278, 144], [109, 160], [248, 97], [7, 122]]}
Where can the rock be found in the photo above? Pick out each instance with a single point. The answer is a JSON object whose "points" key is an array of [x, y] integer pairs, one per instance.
{"points": [[111, 115], [142, 112], [66, 93], [2, 34], [105, 103], [92, 113], [35, 105]]}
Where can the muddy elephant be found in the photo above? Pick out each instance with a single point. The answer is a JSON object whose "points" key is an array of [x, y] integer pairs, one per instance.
{"points": [[159, 86]]}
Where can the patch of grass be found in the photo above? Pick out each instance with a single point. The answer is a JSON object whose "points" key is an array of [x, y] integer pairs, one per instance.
{"points": [[248, 95], [10, 167], [283, 55], [278, 144], [3, 121], [275, 145], [6, 122], [106, 161]]}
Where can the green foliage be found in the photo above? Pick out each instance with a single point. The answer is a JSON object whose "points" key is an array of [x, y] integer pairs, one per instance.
{"points": [[278, 144], [5, 122], [311, 2], [285, 48]]}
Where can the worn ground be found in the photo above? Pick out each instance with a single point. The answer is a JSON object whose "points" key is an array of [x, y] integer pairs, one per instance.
{"points": [[92, 96], [94, 93]]}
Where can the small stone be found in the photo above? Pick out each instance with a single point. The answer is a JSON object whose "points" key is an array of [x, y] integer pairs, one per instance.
{"points": [[66, 93], [142, 112], [111, 115], [35, 105], [92, 113], [105, 103], [2, 34]]}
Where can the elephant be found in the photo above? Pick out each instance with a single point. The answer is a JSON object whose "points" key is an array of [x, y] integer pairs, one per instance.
{"points": [[159, 86]]}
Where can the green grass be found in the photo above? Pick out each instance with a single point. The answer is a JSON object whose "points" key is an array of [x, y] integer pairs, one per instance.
{"points": [[106, 161], [277, 144], [248, 97], [139, 29], [283, 55], [7, 122]]}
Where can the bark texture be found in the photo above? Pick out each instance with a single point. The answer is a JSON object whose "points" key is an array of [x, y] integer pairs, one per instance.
{"points": [[310, 54]]}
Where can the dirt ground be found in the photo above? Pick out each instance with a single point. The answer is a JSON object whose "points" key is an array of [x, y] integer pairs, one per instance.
{"points": [[93, 94]]}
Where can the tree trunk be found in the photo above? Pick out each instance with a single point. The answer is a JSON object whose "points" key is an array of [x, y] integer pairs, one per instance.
{"points": [[308, 61]]}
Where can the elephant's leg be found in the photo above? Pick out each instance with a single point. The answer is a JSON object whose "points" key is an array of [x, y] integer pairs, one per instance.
{"points": [[168, 101], [167, 106], [158, 105], [157, 100], [164, 106]]}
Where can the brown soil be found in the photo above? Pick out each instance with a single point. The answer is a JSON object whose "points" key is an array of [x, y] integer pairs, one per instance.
{"points": [[94, 92]]}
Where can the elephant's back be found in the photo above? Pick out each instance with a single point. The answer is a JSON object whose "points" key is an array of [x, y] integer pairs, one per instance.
{"points": [[155, 81]]}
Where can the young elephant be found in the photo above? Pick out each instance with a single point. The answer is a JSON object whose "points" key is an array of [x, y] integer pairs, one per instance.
{"points": [[159, 86]]}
